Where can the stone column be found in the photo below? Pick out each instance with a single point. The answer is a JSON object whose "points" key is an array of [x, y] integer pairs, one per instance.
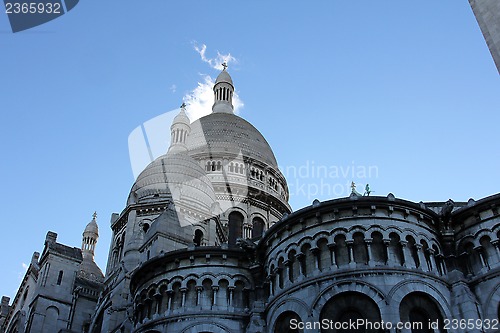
{"points": [[315, 252], [387, 243], [332, 248], [276, 276], [148, 302], [183, 291], [272, 283], [407, 258], [433, 261], [421, 258], [158, 297], [368, 242], [278, 272], [484, 262], [170, 295], [300, 257], [442, 264], [288, 267], [215, 290], [350, 244], [231, 292], [495, 244], [199, 289]]}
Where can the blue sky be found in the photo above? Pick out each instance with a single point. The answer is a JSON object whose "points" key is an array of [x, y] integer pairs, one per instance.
{"points": [[407, 87]]}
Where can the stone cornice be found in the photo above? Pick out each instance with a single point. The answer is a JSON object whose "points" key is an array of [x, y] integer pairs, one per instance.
{"points": [[354, 205], [156, 265]]}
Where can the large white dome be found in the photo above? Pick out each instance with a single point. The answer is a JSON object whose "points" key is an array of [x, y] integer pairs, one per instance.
{"points": [[226, 133]]}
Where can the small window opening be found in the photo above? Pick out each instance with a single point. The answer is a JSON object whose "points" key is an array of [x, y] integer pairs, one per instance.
{"points": [[59, 278]]}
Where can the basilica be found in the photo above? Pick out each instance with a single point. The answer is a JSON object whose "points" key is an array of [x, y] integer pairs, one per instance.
{"points": [[207, 243]]}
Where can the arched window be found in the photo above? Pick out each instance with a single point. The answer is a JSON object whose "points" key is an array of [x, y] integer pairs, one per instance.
{"points": [[419, 309], [488, 250], [308, 263], [240, 296], [395, 250], [472, 259], [359, 249], [292, 273], [325, 257], [235, 227], [258, 227], [198, 237], [341, 251], [191, 294], [284, 323], [50, 323], [350, 306], [207, 296], [281, 272], [176, 296], [223, 294]]}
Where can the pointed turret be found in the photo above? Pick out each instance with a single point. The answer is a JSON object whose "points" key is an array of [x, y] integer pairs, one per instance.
{"points": [[180, 129], [223, 93], [90, 236]]}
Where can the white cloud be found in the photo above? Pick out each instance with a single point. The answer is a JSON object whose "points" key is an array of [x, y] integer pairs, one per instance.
{"points": [[199, 101], [173, 88], [20, 275], [216, 62]]}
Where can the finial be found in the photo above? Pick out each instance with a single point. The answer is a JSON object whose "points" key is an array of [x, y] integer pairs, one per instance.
{"points": [[94, 216], [353, 187], [224, 64], [183, 106]]}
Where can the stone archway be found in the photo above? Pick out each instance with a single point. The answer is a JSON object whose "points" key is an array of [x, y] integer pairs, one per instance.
{"points": [[285, 322], [347, 307], [420, 309]]}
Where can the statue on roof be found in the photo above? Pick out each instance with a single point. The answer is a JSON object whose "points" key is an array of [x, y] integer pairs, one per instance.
{"points": [[353, 190], [367, 190]]}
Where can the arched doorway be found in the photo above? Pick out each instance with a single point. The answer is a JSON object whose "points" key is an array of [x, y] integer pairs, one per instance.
{"points": [[348, 307], [286, 321], [420, 309]]}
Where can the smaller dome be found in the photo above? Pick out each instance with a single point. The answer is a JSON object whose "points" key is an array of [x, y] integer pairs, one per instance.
{"points": [[92, 226], [181, 118], [224, 77], [176, 177]]}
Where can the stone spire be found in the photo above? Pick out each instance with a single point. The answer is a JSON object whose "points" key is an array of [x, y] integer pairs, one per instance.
{"points": [[223, 92], [90, 236], [180, 130]]}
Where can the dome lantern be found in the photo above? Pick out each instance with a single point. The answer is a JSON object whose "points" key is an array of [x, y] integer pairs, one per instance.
{"points": [[179, 131], [223, 93], [90, 236]]}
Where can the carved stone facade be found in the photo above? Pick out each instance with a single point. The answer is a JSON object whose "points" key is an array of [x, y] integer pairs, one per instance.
{"points": [[208, 243]]}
